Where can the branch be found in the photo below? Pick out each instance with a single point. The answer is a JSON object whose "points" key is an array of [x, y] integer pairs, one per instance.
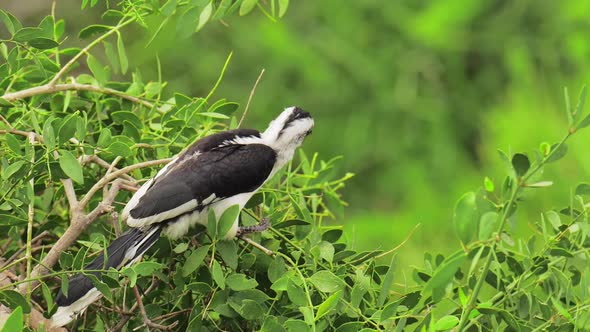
{"points": [[111, 176], [52, 88], [77, 226], [86, 49], [250, 98]]}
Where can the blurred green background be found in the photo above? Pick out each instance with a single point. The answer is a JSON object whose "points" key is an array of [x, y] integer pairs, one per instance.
{"points": [[416, 95]]}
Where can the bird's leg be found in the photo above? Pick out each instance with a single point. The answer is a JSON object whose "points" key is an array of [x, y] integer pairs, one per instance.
{"points": [[263, 225], [148, 323]]}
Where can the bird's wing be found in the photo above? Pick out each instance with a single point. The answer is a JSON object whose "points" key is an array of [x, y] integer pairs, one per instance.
{"points": [[195, 182]]}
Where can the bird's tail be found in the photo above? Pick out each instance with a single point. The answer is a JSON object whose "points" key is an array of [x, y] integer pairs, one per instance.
{"points": [[123, 251]]}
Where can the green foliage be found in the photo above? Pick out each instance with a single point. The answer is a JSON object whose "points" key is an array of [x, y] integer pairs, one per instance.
{"points": [[14, 322], [108, 114]]}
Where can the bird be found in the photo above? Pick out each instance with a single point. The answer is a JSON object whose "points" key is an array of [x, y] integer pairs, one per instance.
{"points": [[214, 173]]}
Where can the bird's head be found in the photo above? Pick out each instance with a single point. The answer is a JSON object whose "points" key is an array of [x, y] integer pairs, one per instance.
{"points": [[289, 129], [286, 133]]}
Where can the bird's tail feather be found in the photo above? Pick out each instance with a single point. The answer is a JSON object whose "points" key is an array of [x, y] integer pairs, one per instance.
{"points": [[123, 251]]}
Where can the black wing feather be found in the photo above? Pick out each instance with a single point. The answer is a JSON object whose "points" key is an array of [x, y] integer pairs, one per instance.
{"points": [[223, 171]]}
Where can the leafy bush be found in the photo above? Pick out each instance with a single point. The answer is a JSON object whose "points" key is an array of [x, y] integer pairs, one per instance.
{"points": [[78, 135]]}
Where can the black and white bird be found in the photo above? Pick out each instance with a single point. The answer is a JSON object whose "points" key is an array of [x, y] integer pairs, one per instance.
{"points": [[216, 172]]}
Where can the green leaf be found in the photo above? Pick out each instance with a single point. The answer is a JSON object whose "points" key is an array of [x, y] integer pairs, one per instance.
{"points": [[194, 260], [47, 25], [10, 22], [152, 89], [227, 220], [70, 165], [221, 9], [562, 311], [81, 130], [466, 217], [444, 273], [67, 128], [568, 107], [13, 299], [14, 322], [276, 269], [217, 274], [283, 5], [389, 310], [553, 219], [488, 184], [120, 149], [296, 293], [581, 101], [582, 189], [325, 281], [328, 305], [13, 144], [122, 54], [65, 284], [212, 224], [488, 224], [250, 310], [112, 56], [43, 43], [5, 103], [228, 250], [97, 69], [521, 164], [332, 235], [26, 34], [187, 23], [296, 325], [360, 288], [180, 248], [387, 283], [94, 29], [147, 268], [49, 134], [131, 274], [11, 169], [559, 152], [326, 251], [205, 16], [240, 282], [213, 115], [560, 252], [104, 139], [540, 184], [121, 116], [101, 286], [247, 6], [168, 8], [585, 122], [446, 323], [292, 222]]}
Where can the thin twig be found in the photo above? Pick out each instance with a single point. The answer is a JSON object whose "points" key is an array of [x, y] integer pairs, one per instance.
{"points": [[48, 88], [3, 119], [20, 250], [85, 50], [146, 319], [101, 162], [250, 97], [258, 246], [401, 244], [111, 176], [31, 217]]}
